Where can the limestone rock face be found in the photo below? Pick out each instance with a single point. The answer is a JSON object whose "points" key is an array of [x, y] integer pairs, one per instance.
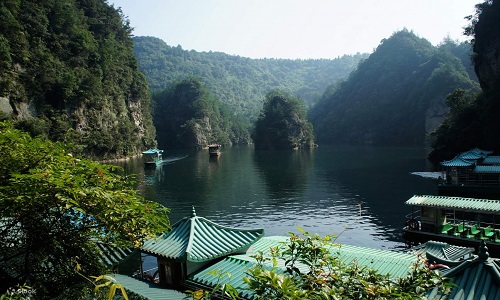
{"points": [[435, 114], [487, 65]]}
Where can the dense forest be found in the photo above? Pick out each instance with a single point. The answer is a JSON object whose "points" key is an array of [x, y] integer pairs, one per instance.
{"points": [[68, 72], [473, 119], [188, 115], [397, 95], [240, 83], [283, 123]]}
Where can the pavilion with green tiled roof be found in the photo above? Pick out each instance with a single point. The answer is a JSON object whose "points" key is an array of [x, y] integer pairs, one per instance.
{"points": [[193, 243], [475, 278]]}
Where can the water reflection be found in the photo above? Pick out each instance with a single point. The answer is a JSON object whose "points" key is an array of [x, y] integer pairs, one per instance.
{"points": [[284, 172], [357, 192], [381, 178]]}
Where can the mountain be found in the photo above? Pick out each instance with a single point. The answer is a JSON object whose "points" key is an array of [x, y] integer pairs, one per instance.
{"points": [[240, 83], [396, 96], [188, 115], [473, 119], [283, 124], [68, 72]]}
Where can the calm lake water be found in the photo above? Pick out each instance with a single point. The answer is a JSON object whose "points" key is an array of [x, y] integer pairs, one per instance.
{"points": [[355, 191]]}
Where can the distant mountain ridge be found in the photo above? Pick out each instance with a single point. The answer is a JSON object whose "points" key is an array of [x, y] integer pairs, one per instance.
{"points": [[240, 83]]}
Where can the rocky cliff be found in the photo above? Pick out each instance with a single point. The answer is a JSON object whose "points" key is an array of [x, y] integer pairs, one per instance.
{"points": [[68, 72]]}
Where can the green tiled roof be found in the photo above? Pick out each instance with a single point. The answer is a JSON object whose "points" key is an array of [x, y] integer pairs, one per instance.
{"points": [[471, 155], [459, 203], [235, 265], [487, 169], [457, 162], [197, 239], [481, 151], [473, 279], [386, 262], [148, 290], [491, 160], [445, 253], [111, 255], [395, 264]]}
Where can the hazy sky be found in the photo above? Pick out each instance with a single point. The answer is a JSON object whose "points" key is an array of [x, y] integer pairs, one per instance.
{"points": [[293, 28]]}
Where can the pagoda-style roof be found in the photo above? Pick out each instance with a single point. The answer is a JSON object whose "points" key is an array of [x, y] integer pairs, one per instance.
{"points": [[491, 160], [197, 239], [476, 278], [458, 161], [470, 155], [458, 203], [481, 151], [487, 169], [445, 253]]}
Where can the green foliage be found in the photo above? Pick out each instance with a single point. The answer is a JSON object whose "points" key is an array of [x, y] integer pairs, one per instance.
{"points": [[20, 292], [188, 115], [282, 123], [110, 283], [73, 62], [240, 83], [54, 207], [314, 271], [473, 118], [391, 95]]}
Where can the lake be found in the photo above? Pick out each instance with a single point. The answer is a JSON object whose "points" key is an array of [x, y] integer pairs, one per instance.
{"points": [[356, 192]]}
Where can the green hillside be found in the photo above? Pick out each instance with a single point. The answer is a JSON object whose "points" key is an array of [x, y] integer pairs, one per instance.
{"points": [[473, 119], [240, 83], [68, 72], [396, 96], [188, 115]]}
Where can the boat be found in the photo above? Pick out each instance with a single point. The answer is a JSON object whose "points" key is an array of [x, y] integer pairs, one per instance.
{"points": [[214, 149], [475, 173], [152, 157], [454, 220]]}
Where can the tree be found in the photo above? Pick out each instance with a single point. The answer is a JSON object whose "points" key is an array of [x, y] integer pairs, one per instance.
{"points": [[282, 123], [54, 207]]}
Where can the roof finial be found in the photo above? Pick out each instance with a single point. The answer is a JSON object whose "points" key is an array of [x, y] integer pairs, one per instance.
{"points": [[194, 213], [483, 251]]}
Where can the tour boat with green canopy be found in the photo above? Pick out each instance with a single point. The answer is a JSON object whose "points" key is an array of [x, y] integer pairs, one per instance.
{"points": [[455, 220], [152, 157]]}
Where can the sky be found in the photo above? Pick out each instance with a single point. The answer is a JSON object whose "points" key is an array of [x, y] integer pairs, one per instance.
{"points": [[293, 29]]}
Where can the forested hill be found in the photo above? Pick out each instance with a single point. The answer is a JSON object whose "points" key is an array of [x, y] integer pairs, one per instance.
{"points": [[239, 82], [68, 72], [397, 95], [473, 119]]}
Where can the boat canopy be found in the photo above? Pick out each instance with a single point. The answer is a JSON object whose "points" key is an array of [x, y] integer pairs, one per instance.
{"points": [[458, 203], [152, 151], [457, 162]]}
